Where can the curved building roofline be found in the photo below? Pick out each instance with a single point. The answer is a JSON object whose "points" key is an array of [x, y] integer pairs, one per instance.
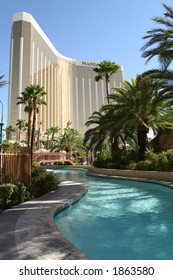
{"points": [[23, 16], [29, 18]]}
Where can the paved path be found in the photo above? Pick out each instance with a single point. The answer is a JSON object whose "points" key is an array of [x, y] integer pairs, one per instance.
{"points": [[28, 231]]}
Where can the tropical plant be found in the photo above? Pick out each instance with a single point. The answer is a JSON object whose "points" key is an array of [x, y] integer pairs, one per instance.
{"points": [[8, 147], [9, 131], [96, 135], [54, 130], [12, 194], [107, 129], [47, 133], [69, 140], [104, 71], [42, 182], [160, 40], [21, 124], [51, 143], [141, 105], [32, 97], [2, 82], [160, 44], [38, 134], [26, 100]]}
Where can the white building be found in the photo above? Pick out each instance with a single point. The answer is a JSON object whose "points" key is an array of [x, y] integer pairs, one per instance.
{"points": [[72, 92]]}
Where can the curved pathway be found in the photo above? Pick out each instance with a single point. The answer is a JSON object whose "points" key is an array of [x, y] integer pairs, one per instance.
{"points": [[28, 231]]}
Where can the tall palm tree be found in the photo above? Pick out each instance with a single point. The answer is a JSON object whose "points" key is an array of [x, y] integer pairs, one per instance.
{"points": [[104, 71], [141, 105], [160, 40], [21, 124], [32, 97], [37, 99], [48, 133], [26, 100], [160, 44]]}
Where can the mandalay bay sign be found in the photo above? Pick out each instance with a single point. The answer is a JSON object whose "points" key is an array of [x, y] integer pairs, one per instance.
{"points": [[87, 63]]}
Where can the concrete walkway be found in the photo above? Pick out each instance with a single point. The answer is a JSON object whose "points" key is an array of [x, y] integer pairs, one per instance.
{"points": [[28, 231]]}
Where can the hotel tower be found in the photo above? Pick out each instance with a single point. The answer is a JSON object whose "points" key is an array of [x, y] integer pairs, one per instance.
{"points": [[72, 92]]}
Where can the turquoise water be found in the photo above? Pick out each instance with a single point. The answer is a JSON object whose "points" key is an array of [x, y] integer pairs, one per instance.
{"points": [[119, 219]]}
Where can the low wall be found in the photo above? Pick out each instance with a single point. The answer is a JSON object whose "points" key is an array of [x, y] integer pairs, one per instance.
{"points": [[166, 177], [137, 174]]}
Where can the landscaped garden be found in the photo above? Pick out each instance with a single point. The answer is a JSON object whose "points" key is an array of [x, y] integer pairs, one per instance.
{"points": [[117, 136]]}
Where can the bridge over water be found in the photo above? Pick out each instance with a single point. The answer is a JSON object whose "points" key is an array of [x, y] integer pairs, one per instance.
{"points": [[55, 157]]}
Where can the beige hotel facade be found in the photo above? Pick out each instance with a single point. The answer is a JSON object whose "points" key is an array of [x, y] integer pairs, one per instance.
{"points": [[72, 92]]}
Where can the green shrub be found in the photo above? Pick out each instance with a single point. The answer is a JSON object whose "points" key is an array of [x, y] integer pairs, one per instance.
{"points": [[144, 165], [157, 162], [169, 155], [127, 159], [12, 194], [121, 159], [6, 191], [42, 182], [20, 194]]}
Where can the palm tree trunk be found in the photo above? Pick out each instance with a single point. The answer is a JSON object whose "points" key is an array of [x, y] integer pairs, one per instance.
{"points": [[19, 133], [107, 87], [33, 130], [114, 144], [29, 128], [142, 140]]}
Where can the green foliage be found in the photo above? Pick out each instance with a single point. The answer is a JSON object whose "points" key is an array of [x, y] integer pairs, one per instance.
{"points": [[121, 160], [34, 168], [42, 182], [135, 108], [157, 162], [20, 194], [127, 159], [8, 147], [12, 194], [104, 71]]}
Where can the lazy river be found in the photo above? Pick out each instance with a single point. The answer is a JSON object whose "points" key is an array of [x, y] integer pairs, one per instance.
{"points": [[118, 219]]}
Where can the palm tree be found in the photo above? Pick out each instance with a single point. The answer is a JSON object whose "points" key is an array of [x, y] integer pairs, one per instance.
{"points": [[9, 130], [51, 132], [2, 83], [160, 44], [54, 130], [37, 99], [141, 105], [26, 100], [105, 70], [48, 133], [32, 97], [105, 130], [95, 137], [69, 139], [160, 40], [21, 124]]}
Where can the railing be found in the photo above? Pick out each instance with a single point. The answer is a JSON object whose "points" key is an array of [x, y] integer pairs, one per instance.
{"points": [[17, 167], [54, 157]]}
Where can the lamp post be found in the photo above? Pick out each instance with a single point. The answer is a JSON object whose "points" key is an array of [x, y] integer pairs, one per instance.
{"points": [[1, 126]]}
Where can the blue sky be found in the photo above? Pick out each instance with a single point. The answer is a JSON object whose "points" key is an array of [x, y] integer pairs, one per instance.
{"points": [[93, 30]]}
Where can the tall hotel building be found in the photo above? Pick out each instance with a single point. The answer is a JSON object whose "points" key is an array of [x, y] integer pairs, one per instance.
{"points": [[72, 93]]}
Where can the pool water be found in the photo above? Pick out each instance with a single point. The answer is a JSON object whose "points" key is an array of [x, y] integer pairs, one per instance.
{"points": [[119, 219]]}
